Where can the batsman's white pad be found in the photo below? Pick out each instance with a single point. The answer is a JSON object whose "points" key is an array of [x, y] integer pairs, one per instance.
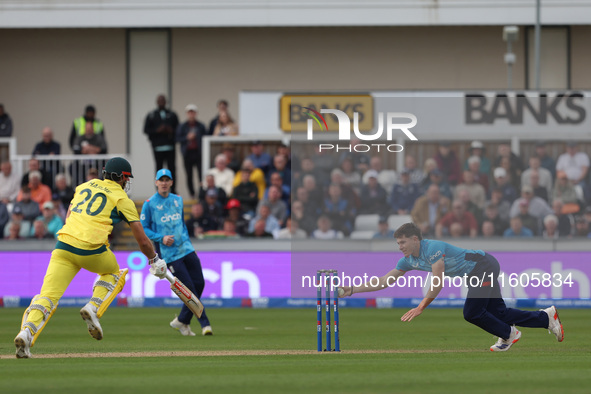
{"points": [[36, 330], [113, 290]]}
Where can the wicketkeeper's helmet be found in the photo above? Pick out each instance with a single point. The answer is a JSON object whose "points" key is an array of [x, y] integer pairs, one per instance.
{"points": [[118, 166]]}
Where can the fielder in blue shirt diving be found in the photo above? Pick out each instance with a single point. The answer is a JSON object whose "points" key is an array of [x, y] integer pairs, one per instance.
{"points": [[164, 223], [484, 306]]}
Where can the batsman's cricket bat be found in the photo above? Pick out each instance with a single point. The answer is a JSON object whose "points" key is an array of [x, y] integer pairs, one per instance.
{"points": [[186, 295]]}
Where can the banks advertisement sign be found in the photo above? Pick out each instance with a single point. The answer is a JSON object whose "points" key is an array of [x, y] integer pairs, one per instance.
{"points": [[282, 274]]}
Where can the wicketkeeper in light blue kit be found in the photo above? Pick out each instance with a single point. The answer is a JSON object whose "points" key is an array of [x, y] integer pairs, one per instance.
{"points": [[163, 221], [484, 306]]}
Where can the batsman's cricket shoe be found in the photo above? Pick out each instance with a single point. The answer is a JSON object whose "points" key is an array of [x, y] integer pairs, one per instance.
{"points": [[88, 314], [184, 329], [503, 345], [23, 344], [206, 331], [554, 326]]}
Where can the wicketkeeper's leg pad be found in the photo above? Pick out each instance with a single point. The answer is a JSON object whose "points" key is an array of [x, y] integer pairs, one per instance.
{"points": [[114, 284], [37, 304]]}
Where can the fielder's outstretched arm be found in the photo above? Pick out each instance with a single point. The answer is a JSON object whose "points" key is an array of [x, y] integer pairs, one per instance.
{"points": [[385, 282], [435, 287]]}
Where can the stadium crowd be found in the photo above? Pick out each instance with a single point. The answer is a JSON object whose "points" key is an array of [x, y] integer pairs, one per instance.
{"points": [[270, 193]]}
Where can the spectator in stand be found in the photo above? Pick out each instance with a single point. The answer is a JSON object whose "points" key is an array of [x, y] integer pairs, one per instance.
{"points": [[429, 209], [458, 222], [464, 196], [29, 208], [566, 221], [324, 163], [5, 123], [338, 210], [18, 222], [448, 163], [528, 221], [236, 215], [259, 157], [416, 175], [272, 225], [491, 214], [404, 195], [306, 222], [475, 190], [574, 163], [256, 176], [208, 185], [79, 125], [534, 182], [488, 229], [551, 228], [350, 176], [587, 215], [285, 151], [277, 181], [436, 178], [222, 106], [39, 192], [545, 176], [276, 205], [509, 193], [60, 209], [39, 231], [225, 126], [160, 126], [480, 178], [429, 165], [52, 223], [9, 183], [324, 229], [291, 230], [4, 218], [477, 149], [581, 227], [189, 135], [546, 160], [503, 206], [280, 167], [359, 159], [514, 165], [196, 221], [512, 175], [373, 196], [212, 211], [222, 175], [517, 229], [228, 151], [35, 165], [88, 143], [538, 208], [246, 193], [384, 232], [64, 191], [564, 190], [307, 168], [259, 230], [48, 146], [229, 229], [15, 231], [315, 193], [386, 178]]}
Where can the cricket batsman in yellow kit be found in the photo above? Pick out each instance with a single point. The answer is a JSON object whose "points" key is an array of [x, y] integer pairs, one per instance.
{"points": [[83, 243]]}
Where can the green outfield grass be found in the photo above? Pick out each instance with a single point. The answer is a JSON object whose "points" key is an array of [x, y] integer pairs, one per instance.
{"points": [[442, 353]]}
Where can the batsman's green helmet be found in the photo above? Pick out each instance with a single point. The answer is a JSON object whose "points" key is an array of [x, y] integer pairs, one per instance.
{"points": [[119, 166]]}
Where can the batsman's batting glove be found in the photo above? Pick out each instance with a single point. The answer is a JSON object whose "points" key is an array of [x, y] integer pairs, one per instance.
{"points": [[158, 267]]}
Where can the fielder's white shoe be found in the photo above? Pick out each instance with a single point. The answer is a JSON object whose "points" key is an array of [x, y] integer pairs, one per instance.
{"points": [[555, 326], [503, 345], [88, 313], [206, 331], [184, 329], [23, 344]]}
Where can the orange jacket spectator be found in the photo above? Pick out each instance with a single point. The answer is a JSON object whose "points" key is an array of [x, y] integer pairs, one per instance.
{"points": [[40, 193]]}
